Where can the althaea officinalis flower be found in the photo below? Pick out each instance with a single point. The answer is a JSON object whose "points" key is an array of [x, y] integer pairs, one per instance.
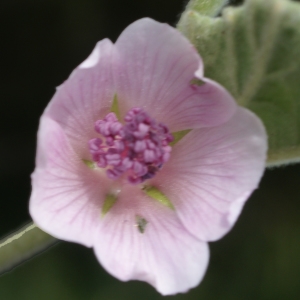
{"points": [[145, 160]]}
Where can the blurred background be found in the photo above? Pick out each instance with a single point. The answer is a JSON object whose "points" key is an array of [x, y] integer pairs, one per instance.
{"points": [[41, 43]]}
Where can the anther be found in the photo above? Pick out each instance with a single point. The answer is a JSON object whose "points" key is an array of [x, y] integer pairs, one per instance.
{"points": [[138, 148]]}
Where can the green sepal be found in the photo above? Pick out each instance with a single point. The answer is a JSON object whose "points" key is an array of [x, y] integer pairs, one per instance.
{"points": [[197, 81], [109, 202], [156, 194], [89, 163], [115, 107], [178, 135]]}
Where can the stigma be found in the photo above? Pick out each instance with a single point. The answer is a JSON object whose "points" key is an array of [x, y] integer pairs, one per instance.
{"points": [[139, 148]]}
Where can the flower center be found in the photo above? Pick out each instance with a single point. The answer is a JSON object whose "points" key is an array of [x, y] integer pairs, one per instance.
{"points": [[139, 148]]}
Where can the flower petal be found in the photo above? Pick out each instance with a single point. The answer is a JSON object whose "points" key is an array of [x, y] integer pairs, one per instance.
{"points": [[85, 97], [66, 195], [154, 68], [165, 254], [212, 172]]}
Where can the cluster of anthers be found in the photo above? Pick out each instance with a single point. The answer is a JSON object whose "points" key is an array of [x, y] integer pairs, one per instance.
{"points": [[139, 147]]}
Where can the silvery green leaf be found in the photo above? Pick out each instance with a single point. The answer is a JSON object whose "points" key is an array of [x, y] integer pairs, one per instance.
{"points": [[207, 7], [254, 51]]}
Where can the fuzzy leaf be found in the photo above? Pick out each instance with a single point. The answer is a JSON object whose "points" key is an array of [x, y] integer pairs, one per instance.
{"points": [[253, 50], [207, 7]]}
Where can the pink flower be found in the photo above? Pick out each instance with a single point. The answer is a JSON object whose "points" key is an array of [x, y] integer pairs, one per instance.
{"points": [[148, 208]]}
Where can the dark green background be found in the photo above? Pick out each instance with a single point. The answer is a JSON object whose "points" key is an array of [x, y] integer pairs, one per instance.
{"points": [[41, 43]]}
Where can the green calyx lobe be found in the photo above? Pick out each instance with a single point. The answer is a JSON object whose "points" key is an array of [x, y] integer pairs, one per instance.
{"points": [[115, 107], [253, 51], [89, 163], [197, 82], [109, 202], [178, 135], [157, 195]]}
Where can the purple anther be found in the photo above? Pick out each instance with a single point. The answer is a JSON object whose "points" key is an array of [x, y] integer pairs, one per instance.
{"points": [[112, 174], [169, 138], [139, 147], [94, 145], [163, 128], [126, 163], [139, 168], [143, 128], [149, 156], [109, 141], [119, 145], [98, 125], [106, 129], [150, 145], [115, 127], [95, 156], [111, 117], [112, 156], [101, 162], [113, 159], [141, 131], [135, 180]]}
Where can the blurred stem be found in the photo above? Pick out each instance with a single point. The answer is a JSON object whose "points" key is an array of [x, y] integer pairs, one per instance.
{"points": [[22, 245]]}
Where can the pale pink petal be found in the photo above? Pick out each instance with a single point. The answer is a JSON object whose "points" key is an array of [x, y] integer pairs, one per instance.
{"points": [[166, 255], [154, 65], [212, 172], [66, 195], [85, 97]]}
